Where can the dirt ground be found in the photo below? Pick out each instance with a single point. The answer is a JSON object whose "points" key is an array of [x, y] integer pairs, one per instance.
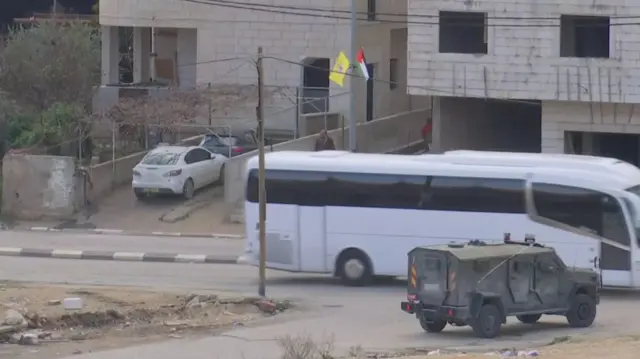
{"points": [[205, 213], [584, 348], [33, 317]]}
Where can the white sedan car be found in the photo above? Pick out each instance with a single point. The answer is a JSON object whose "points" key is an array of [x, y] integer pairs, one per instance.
{"points": [[177, 170]]}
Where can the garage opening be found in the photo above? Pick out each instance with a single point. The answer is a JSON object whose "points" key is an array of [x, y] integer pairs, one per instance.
{"points": [[489, 124], [623, 146]]}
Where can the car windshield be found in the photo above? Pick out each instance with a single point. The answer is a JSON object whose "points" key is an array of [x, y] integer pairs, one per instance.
{"points": [[161, 158], [223, 140]]}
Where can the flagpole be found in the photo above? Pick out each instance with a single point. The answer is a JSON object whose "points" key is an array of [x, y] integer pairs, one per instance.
{"points": [[352, 79]]}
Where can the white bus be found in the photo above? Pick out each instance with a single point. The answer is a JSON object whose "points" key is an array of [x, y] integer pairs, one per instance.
{"points": [[358, 215], [584, 162]]}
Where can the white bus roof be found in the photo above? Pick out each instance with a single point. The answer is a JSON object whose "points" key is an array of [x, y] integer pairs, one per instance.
{"points": [[342, 161], [514, 159]]}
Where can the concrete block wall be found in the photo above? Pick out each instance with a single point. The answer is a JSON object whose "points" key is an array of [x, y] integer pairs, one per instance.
{"points": [[523, 62], [379, 136], [38, 187], [560, 116]]}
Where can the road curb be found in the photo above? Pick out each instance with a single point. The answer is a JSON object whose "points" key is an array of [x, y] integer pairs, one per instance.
{"points": [[117, 256], [133, 233]]}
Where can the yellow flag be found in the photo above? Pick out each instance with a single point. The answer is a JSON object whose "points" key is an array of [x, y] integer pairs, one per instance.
{"points": [[340, 68]]}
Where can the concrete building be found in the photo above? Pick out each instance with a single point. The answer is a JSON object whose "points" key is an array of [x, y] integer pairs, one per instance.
{"points": [[552, 76], [190, 36]]}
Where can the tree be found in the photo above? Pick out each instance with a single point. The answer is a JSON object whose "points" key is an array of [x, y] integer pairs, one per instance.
{"points": [[49, 63]]}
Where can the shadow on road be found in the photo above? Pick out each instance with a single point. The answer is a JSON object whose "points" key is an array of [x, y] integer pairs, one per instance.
{"points": [[330, 280]]}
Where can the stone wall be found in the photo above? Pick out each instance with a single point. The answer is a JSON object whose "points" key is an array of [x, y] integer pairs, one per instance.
{"points": [[39, 187]]}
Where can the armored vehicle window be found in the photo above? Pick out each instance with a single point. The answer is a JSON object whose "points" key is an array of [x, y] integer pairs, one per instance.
{"points": [[548, 267], [481, 266], [432, 264], [521, 267]]}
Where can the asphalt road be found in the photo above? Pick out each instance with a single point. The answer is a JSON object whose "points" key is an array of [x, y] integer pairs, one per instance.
{"points": [[369, 317]]}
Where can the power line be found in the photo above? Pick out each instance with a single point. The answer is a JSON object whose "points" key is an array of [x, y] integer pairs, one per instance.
{"points": [[349, 74], [278, 9], [229, 59], [250, 60], [220, 21], [319, 9]]}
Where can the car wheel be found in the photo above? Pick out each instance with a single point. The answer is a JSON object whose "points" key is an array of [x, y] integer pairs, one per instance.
{"points": [[188, 190], [582, 312], [221, 176], [489, 322], [529, 318], [139, 193], [354, 269], [432, 327]]}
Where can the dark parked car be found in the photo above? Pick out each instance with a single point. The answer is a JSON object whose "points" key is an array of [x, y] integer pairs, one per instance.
{"points": [[480, 285], [230, 144]]}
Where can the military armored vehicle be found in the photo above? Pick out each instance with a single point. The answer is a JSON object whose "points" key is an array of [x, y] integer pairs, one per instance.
{"points": [[480, 285]]}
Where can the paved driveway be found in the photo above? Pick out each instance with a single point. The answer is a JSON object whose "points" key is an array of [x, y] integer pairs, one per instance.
{"points": [[205, 213]]}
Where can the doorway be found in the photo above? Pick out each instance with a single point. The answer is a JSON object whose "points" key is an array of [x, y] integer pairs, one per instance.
{"points": [[370, 83], [314, 94], [623, 146]]}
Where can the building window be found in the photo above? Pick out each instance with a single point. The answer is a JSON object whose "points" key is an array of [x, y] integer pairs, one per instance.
{"points": [[584, 36], [463, 32], [393, 74], [371, 10]]}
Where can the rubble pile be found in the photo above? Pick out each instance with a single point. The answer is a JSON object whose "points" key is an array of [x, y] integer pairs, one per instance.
{"points": [[20, 326]]}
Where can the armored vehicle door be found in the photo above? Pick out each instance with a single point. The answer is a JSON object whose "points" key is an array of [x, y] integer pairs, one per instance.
{"points": [[430, 279], [520, 278], [549, 280]]}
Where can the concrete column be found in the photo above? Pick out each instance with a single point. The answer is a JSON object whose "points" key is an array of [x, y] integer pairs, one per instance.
{"points": [[187, 47], [588, 147], [436, 129], [141, 54], [110, 55]]}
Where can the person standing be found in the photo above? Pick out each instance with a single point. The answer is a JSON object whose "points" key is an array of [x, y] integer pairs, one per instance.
{"points": [[426, 136], [324, 142]]}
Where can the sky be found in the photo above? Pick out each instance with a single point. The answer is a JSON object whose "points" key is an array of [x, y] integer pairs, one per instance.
{"points": [[10, 9]]}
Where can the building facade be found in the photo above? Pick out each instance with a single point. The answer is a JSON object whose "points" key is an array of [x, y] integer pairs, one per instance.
{"points": [[190, 37], [551, 76]]}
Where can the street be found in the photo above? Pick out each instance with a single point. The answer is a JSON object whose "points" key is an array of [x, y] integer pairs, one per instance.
{"points": [[369, 317]]}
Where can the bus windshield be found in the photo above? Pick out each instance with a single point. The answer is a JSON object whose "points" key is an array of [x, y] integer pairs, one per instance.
{"points": [[635, 190], [633, 206]]}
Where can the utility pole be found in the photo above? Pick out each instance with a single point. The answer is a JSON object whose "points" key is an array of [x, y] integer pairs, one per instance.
{"points": [[261, 187], [352, 80]]}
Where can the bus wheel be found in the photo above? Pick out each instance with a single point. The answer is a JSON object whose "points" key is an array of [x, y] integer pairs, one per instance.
{"points": [[354, 268]]}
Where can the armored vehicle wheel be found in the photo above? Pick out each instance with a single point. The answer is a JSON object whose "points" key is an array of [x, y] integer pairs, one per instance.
{"points": [[489, 322], [529, 318], [582, 312], [432, 327]]}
